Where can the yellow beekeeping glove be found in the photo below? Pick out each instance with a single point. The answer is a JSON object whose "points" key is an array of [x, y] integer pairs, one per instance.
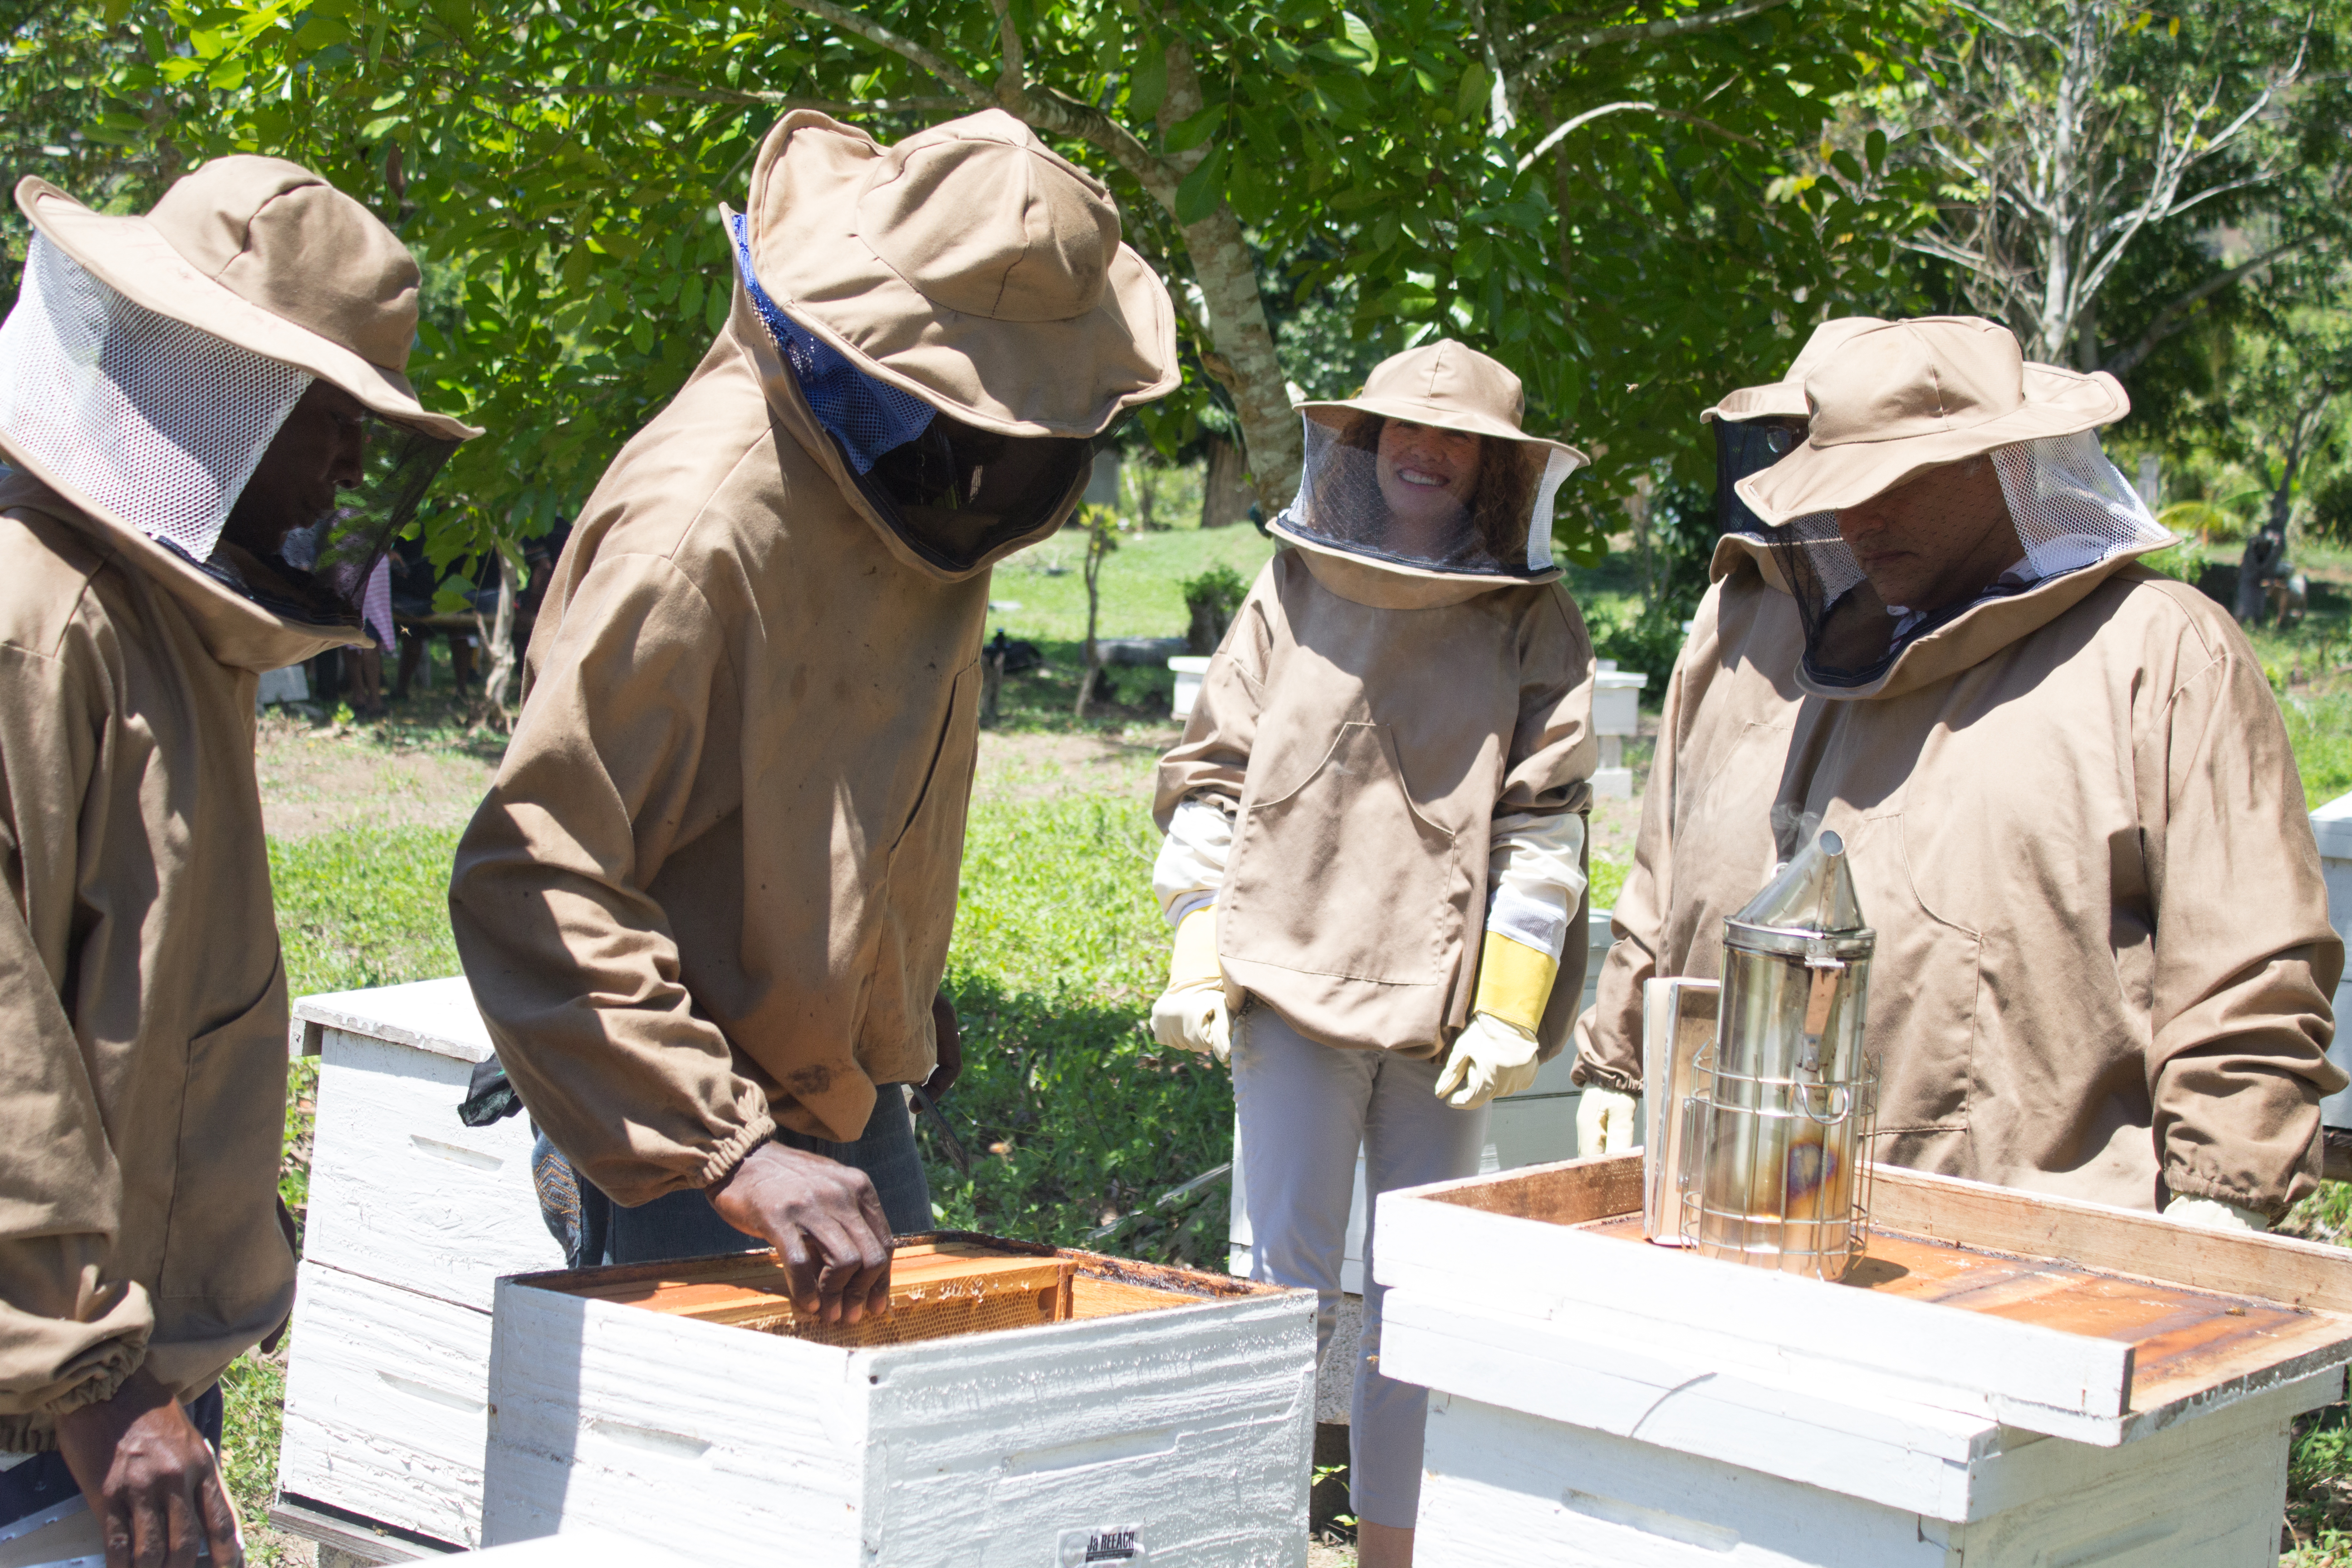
{"points": [[1496, 1054], [1191, 1015]]}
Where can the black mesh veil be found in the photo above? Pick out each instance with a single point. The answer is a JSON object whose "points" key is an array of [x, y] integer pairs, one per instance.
{"points": [[1744, 447], [319, 575], [1874, 578], [1491, 516], [961, 497]]}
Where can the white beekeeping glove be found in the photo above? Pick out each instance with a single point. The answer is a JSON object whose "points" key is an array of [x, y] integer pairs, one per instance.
{"points": [[1191, 1015], [2216, 1214], [1607, 1123]]}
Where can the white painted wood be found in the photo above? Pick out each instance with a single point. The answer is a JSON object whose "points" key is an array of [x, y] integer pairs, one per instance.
{"points": [[403, 1191], [1910, 1456], [433, 1016], [1503, 1487], [578, 1549], [1746, 1321], [386, 1404], [1840, 1434], [1193, 1424]]}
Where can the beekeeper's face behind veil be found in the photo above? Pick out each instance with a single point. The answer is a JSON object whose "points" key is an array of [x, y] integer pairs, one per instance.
{"points": [[1428, 474], [960, 316], [1939, 472], [220, 383]]}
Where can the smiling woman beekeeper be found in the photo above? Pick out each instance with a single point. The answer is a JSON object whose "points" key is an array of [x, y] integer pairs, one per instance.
{"points": [[212, 442], [1375, 852]]}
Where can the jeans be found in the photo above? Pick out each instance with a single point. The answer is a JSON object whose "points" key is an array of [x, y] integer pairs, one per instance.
{"points": [[593, 1229], [1304, 1108]]}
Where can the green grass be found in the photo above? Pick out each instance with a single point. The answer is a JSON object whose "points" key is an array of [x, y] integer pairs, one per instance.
{"points": [[1074, 1117], [1138, 582]]}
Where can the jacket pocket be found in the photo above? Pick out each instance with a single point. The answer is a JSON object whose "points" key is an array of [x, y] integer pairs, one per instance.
{"points": [[221, 1245], [1343, 874]]}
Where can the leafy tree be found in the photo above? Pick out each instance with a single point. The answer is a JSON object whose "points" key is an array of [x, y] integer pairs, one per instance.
{"points": [[2068, 138], [1614, 204]]}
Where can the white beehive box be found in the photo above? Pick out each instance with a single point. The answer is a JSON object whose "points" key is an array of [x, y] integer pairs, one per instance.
{"points": [[413, 1217], [2008, 1381], [2331, 824], [1169, 1424], [1616, 717]]}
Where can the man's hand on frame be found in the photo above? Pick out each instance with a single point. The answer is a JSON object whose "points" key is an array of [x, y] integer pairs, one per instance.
{"points": [[825, 1222]]}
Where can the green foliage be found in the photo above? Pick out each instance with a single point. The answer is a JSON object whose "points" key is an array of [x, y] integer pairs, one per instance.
{"points": [[2330, 517], [1220, 589], [1074, 1116], [1040, 591], [364, 908], [560, 171], [2320, 730], [254, 1392]]}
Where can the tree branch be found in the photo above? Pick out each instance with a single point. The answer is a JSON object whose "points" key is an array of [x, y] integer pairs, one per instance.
{"points": [[1560, 49], [1013, 78], [971, 92], [784, 101], [1552, 138], [2172, 318]]}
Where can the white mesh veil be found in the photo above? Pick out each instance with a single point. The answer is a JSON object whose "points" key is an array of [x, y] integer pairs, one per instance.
{"points": [[2070, 510], [156, 421], [1491, 517]]}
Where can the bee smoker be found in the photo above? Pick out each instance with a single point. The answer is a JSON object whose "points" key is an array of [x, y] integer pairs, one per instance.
{"points": [[1775, 1148]]}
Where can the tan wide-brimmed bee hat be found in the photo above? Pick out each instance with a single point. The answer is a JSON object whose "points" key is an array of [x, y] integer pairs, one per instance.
{"points": [[1785, 398], [1447, 385], [266, 255], [970, 265], [1896, 400]]}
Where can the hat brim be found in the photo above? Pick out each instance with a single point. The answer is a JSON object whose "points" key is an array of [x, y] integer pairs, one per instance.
{"points": [[1478, 580], [1774, 400], [1067, 378], [130, 255], [1413, 412], [1829, 478]]}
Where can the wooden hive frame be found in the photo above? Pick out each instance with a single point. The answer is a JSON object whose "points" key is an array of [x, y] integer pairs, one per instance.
{"points": [[942, 1284]]}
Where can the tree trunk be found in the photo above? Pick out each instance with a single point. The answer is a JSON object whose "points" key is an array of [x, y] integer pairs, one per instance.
{"points": [[1095, 553], [1224, 494], [498, 648]]}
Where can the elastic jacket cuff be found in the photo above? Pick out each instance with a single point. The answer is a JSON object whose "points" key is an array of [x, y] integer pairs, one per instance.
{"points": [[1592, 1074], [723, 1160]]}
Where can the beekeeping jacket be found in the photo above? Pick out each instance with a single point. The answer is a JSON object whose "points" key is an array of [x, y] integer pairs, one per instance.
{"points": [[140, 985], [711, 887], [2073, 817], [1367, 723]]}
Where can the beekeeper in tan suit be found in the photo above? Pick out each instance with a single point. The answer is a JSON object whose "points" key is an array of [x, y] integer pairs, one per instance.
{"points": [[705, 907], [1375, 852], [2103, 955], [183, 395]]}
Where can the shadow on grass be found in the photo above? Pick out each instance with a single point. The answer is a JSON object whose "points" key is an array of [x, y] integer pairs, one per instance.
{"points": [[1074, 1117], [1040, 700]]}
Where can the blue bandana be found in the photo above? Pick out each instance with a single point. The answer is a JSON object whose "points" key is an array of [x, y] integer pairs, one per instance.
{"points": [[869, 417]]}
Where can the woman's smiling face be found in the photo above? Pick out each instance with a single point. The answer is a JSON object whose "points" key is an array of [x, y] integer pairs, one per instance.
{"points": [[1426, 475]]}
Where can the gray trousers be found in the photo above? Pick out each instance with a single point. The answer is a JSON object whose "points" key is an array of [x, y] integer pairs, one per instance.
{"points": [[1304, 1108]]}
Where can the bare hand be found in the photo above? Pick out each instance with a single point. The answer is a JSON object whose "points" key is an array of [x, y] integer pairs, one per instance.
{"points": [[825, 1222], [150, 1478], [951, 1038]]}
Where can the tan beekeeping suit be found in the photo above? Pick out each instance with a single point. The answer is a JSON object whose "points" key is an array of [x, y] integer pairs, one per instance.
{"points": [[1366, 750], [2074, 819], [711, 887], [143, 1002]]}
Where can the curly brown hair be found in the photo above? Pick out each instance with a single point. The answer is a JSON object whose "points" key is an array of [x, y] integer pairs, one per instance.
{"points": [[1500, 500]]}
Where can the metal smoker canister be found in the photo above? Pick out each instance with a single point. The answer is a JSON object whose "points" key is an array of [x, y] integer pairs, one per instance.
{"points": [[1783, 1151]]}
